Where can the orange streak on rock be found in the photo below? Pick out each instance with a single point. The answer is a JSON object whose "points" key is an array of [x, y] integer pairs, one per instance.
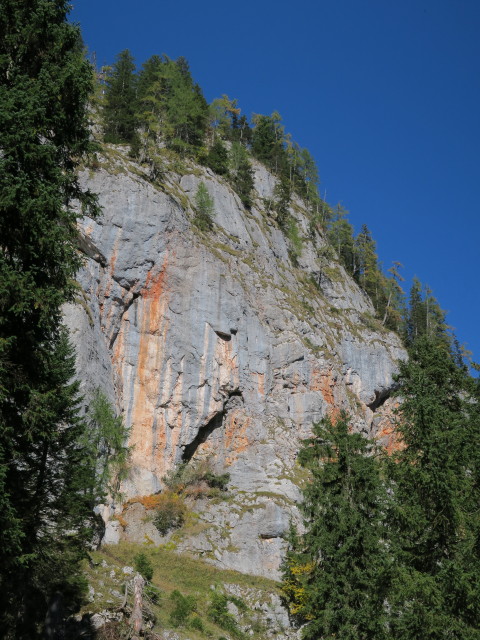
{"points": [[236, 439], [261, 383], [148, 434], [386, 434], [324, 382]]}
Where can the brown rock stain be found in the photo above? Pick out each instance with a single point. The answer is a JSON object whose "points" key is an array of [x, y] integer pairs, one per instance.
{"points": [[226, 358], [148, 435], [386, 434], [260, 383], [324, 382], [236, 439]]}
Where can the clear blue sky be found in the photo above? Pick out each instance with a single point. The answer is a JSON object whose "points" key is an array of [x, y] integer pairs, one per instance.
{"points": [[384, 93]]}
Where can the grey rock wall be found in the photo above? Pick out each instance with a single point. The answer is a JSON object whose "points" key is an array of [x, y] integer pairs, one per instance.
{"points": [[215, 345]]}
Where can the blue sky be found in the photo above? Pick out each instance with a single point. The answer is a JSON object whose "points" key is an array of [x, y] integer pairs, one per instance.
{"points": [[384, 93]]}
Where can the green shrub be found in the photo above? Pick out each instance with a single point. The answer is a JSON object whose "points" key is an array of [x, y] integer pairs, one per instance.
{"points": [[181, 476], [143, 566], [238, 602], [170, 512], [152, 593], [184, 606], [219, 614], [217, 481], [197, 624], [187, 475]]}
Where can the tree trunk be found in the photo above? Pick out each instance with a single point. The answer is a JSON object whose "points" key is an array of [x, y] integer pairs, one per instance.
{"points": [[55, 618], [136, 619]]}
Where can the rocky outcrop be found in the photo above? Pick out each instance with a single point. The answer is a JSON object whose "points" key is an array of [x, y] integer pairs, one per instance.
{"points": [[217, 345]]}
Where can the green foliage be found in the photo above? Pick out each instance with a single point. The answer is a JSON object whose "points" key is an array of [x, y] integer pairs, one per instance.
{"points": [[45, 482], [217, 158], [204, 208], [119, 108], [184, 607], [223, 116], [268, 142], [359, 257], [106, 439], [296, 243], [187, 475], [171, 107], [226, 121], [218, 613], [282, 194], [217, 481], [170, 512], [241, 173], [196, 623], [152, 593], [425, 317], [143, 566], [340, 236], [336, 575], [434, 522], [188, 575]]}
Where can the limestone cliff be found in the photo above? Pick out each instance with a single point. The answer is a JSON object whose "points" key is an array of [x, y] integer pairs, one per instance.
{"points": [[216, 344]]}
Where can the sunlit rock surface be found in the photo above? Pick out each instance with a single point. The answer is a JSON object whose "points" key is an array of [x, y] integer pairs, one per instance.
{"points": [[216, 345]]}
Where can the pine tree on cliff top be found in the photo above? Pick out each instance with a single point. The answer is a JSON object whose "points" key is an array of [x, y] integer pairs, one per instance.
{"points": [[121, 100], [45, 83]]}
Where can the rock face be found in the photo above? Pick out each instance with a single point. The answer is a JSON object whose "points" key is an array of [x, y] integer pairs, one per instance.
{"points": [[217, 345]]}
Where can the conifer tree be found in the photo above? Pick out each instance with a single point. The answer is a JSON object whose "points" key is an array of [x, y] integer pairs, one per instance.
{"points": [[171, 107], [224, 117], [120, 101], [425, 317], [340, 235], [435, 521], [336, 576], [241, 173], [217, 158], [205, 208], [44, 479], [268, 142]]}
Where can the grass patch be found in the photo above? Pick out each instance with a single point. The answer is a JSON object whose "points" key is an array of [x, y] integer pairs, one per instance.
{"points": [[189, 594]]}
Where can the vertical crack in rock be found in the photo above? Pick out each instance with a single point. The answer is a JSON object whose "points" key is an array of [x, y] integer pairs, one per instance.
{"points": [[127, 305], [234, 398]]}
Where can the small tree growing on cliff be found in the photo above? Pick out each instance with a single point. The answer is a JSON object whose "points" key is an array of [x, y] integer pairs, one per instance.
{"points": [[336, 575], [204, 205], [106, 442]]}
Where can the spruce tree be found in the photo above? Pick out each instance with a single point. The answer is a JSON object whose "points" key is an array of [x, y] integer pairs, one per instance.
{"points": [[119, 110], [268, 142], [44, 480], [336, 576], [435, 521], [241, 173], [204, 208], [217, 158]]}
